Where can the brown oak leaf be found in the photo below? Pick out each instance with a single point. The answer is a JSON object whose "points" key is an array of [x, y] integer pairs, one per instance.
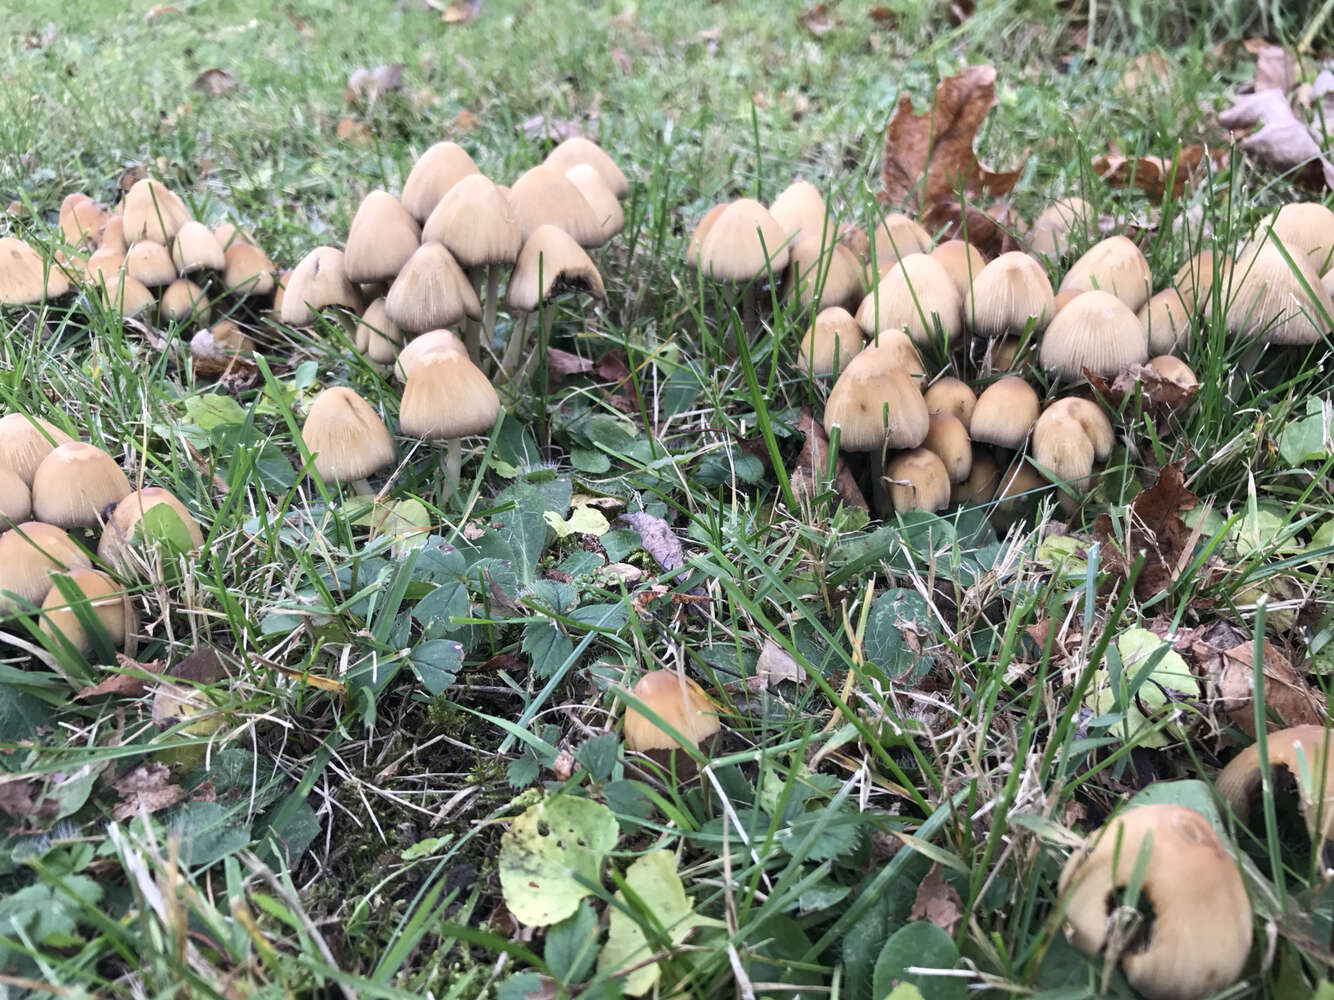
{"points": [[1161, 396], [562, 364], [1153, 526], [1287, 694], [938, 902], [809, 472], [1151, 174]]}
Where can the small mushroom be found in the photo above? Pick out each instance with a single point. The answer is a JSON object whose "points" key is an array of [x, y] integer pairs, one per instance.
{"points": [[25, 441], [1302, 753], [184, 300], [1062, 450], [551, 261], [105, 598], [153, 212], [917, 480], [317, 283], [125, 518], [917, 295], [430, 342], [150, 263], [895, 238], [195, 248], [75, 483], [680, 703], [801, 211], [983, 480], [963, 262], [545, 196], [447, 397], [1005, 413], [833, 340], [953, 396], [1050, 235], [247, 270], [1097, 331], [382, 237], [25, 278], [577, 150], [1012, 295], [1114, 265], [347, 437], [29, 553], [1277, 297], [1166, 321], [948, 438], [431, 291], [435, 172], [828, 269]]}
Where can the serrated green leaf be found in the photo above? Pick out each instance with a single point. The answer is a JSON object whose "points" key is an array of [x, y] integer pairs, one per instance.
{"points": [[548, 850]]}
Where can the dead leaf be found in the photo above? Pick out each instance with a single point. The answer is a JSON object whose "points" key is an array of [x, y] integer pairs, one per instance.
{"points": [[210, 361], [622, 60], [562, 364], [659, 539], [1283, 142], [1151, 174], [161, 10], [370, 85], [16, 798], [960, 11], [132, 680], [1154, 527], [774, 666], [1147, 69], [214, 82], [146, 789], [461, 13], [1275, 68], [641, 599], [882, 16], [354, 131], [563, 766], [541, 127], [809, 472], [465, 122], [1162, 397], [816, 19], [938, 902], [1287, 693]]}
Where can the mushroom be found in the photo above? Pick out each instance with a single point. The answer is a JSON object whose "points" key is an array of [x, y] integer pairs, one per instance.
{"points": [[606, 209], [801, 212], [378, 338], [247, 270], [1012, 295], [25, 278], [1308, 228], [951, 395], [577, 150], [918, 480], [897, 237], [15, 497], [106, 601], [1192, 931], [153, 212], [1050, 236], [184, 300], [947, 437], [1278, 296], [75, 483], [1096, 331], [82, 221], [347, 438], [430, 342], [1194, 280], [447, 397], [150, 263], [195, 248], [1062, 451], [1166, 321], [551, 261], [834, 339], [317, 283], [430, 291], [1175, 370], [1005, 413], [1113, 265], [25, 441], [127, 515], [680, 703], [701, 232], [745, 245], [1090, 416], [126, 297], [982, 482], [435, 172], [1018, 483], [963, 262], [382, 237], [829, 269], [916, 295], [1301, 752], [113, 235], [545, 196], [29, 553]]}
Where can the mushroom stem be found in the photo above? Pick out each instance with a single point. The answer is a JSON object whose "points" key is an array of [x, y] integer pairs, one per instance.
{"points": [[879, 494], [489, 303], [451, 462], [362, 487], [544, 323], [750, 311], [517, 336]]}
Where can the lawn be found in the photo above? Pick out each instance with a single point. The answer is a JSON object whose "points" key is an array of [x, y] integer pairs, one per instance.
{"points": [[374, 743]]}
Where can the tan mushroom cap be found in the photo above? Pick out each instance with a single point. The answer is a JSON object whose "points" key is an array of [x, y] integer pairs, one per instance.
{"points": [[382, 237], [150, 263], [679, 702], [430, 342], [606, 209], [895, 349], [1166, 320], [876, 403], [183, 300], [1050, 235], [113, 235], [1063, 299], [745, 242], [447, 396], [1277, 297], [15, 498], [25, 441], [435, 172], [915, 295], [228, 336], [475, 222], [247, 270], [153, 212], [1194, 280], [918, 480], [125, 518], [801, 212], [545, 196], [103, 267], [982, 483], [1005, 413], [1305, 226], [855, 239], [832, 341], [948, 438], [127, 296], [377, 337], [1090, 416], [1301, 751], [25, 278], [1011, 295], [106, 599], [75, 483], [1199, 935], [897, 237], [833, 269], [195, 248], [701, 232], [1113, 265], [963, 262], [578, 150], [1062, 451], [954, 396], [347, 437], [30, 552], [318, 282], [550, 262], [430, 292], [82, 221], [1174, 370], [1096, 331]]}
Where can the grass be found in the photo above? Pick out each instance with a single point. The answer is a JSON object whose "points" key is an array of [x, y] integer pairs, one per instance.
{"points": [[394, 708]]}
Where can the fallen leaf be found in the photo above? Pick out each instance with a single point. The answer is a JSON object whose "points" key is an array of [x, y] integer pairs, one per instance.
{"points": [[214, 82], [556, 129], [1275, 68], [775, 665], [961, 10], [1162, 397], [816, 19], [465, 122], [1147, 69], [937, 902], [146, 789], [809, 472], [132, 681], [16, 798], [882, 15], [354, 131], [461, 13], [1283, 142], [131, 176], [161, 10], [1287, 693], [1151, 174], [659, 539], [642, 598], [370, 85], [562, 364], [1154, 526]]}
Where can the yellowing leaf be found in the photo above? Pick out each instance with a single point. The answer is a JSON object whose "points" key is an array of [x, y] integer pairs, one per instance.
{"points": [[548, 850], [583, 520]]}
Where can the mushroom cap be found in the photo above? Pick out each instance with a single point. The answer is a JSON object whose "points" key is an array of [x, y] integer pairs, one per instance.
{"points": [[25, 441], [701, 232], [103, 266], [1062, 450], [195, 248], [150, 263], [377, 336], [247, 270], [153, 212], [82, 221], [447, 396], [435, 172], [894, 348], [545, 196], [1005, 413], [1090, 416], [183, 300], [855, 239], [832, 268], [382, 237], [125, 518], [24, 276], [918, 480], [606, 209], [113, 235], [1271, 301], [1063, 299], [551, 261], [743, 243], [1200, 934], [1174, 370], [1307, 227], [228, 336], [107, 600], [1019, 483], [1096, 331], [15, 497], [679, 702], [347, 437], [948, 438], [578, 150], [228, 235], [914, 295], [1195, 279], [127, 296], [318, 282], [832, 341], [876, 403], [430, 292], [801, 212], [1166, 320], [963, 262], [951, 395], [430, 342], [1113, 265], [75, 483], [1011, 294], [982, 482], [474, 222], [1302, 751], [29, 552], [1050, 236], [897, 237]]}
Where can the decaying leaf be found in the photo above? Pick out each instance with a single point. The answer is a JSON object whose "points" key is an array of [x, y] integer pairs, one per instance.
{"points": [[211, 361], [644, 597], [201, 667], [816, 19], [562, 364], [1154, 526], [354, 131], [938, 902], [147, 788], [16, 798], [131, 681], [1147, 69], [1151, 174], [1275, 67], [659, 539], [1283, 141], [465, 121], [775, 665], [370, 85], [1287, 693], [214, 82], [161, 10], [461, 13], [1162, 396], [555, 129], [809, 472]]}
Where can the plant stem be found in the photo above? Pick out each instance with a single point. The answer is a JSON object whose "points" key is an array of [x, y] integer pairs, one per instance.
{"points": [[489, 304], [451, 461]]}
